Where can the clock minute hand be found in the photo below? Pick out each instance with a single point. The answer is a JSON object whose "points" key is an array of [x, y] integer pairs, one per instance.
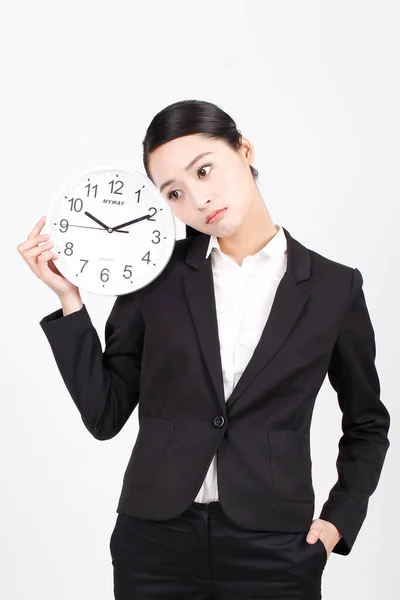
{"points": [[130, 222], [97, 220]]}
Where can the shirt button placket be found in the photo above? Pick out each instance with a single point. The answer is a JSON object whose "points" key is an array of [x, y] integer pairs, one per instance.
{"points": [[237, 316]]}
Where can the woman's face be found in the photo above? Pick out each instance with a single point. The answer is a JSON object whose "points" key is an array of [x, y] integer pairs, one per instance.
{"points": [[194, 185]]}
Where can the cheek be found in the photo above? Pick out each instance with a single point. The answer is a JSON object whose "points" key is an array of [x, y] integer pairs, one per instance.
{"points": [[236, 180], [234, 189], [179, 212]]}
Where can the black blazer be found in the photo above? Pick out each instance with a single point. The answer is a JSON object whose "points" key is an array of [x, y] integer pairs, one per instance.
{"points": [[162, 354]]}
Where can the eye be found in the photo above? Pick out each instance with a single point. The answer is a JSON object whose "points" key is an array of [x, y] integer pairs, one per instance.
{"points": [[203, 167], [170, 194]]}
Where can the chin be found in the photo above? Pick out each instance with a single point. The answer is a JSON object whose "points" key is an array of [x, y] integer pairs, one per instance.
{"points": [[225, 230]]}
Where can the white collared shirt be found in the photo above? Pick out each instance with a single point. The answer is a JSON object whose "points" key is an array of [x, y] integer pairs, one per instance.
{"points": [[244, 295]]}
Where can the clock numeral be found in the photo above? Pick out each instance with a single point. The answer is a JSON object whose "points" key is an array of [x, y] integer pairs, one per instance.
{"points": [[116, 191], [68, 246], [155, 210], [157, 237], [138, 193], [126, 270], [64, 225], [148, 259], [75, 205], [104, 276], [89, 188], [85, 261]]}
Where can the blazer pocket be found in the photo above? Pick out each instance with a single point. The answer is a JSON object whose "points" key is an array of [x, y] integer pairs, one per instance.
{"points": [[291, 465], [148, 452]]}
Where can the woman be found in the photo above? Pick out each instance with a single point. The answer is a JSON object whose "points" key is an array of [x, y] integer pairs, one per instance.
{"points": [[227, 350]]}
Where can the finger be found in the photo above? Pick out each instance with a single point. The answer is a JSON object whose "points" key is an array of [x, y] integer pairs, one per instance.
{"points": [[31, 242], [42, 267], [35, 261], [37, 250], [34, 264], [30, 256], [38, 227], [313, 535]]}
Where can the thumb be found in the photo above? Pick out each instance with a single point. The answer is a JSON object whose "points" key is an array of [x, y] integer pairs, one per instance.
{"points": [[313, 534]]}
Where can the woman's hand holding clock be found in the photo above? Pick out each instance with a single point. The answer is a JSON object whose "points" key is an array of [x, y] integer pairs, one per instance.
{"points": [[40, 260]]}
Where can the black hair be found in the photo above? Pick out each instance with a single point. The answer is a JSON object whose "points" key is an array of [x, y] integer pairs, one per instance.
{"points": [[187, 117]]}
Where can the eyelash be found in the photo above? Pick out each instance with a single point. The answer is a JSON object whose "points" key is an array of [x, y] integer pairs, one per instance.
{"points": [[199, 169]]}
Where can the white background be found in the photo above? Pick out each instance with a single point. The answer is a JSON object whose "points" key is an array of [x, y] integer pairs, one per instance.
{"points": [[315, 87]]}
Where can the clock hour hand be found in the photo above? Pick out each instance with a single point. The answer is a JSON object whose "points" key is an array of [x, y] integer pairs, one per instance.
{"points": [[97, 220], [130, 222]]}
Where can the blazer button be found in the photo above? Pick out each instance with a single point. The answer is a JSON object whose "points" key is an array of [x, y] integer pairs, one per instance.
{"points": [[219, 421]]}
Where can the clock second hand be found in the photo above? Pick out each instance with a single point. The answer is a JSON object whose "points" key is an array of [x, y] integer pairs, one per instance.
{"points": [[100, 228]]}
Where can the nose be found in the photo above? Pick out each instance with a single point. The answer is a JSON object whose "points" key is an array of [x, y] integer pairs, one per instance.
{"points": [[200, 199]]}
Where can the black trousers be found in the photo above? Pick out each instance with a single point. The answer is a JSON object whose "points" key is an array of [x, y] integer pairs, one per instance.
{"points": [[202, 555]]}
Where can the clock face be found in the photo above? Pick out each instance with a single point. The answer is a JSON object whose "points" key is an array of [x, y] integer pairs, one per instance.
{"points": [[113, 231]]}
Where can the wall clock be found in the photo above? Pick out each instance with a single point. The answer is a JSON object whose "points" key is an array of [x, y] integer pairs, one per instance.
{"points": [[113, 231]]}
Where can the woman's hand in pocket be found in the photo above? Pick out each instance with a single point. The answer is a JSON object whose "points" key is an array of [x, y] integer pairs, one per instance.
{"points": [[327, 532]]}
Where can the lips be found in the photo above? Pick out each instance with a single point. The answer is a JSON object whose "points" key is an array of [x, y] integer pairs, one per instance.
{"points": [[213, 213]]}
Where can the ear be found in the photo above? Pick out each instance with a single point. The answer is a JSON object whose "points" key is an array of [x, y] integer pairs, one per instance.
{"points": [[247, 150]]}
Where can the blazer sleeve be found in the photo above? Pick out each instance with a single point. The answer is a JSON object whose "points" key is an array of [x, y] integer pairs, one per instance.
{"points": [[365, 420], [105, 386]]}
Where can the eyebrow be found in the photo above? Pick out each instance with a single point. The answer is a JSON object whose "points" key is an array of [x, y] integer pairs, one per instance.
{"points": [[192, 162]]}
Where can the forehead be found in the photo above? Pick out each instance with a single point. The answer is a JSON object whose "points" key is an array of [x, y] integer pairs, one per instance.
{"points": [[170, 159]]}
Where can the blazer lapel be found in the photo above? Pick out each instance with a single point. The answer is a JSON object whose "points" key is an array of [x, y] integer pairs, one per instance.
{"points": [[286, 309]]}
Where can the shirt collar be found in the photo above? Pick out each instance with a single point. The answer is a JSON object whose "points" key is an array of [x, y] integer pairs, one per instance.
{"points": [[276, 245]]}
